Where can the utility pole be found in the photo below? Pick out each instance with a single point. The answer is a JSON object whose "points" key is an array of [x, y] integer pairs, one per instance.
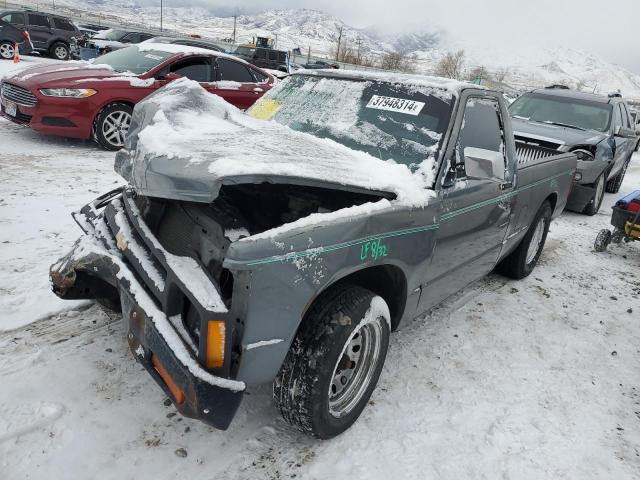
{"points": [[235, 18], [359, 43], [308, 54], [160, 15], [276, 44], [339, 41]]}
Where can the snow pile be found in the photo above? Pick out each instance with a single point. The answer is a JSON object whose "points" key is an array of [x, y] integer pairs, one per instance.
{"points": [[184, 132]]}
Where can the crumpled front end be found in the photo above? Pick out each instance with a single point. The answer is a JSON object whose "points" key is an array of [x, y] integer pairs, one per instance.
{"points": [[178, 325]]}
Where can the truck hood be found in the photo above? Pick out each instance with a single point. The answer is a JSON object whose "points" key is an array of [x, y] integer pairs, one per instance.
{"points": [[185, 144], [63, 72], [564, 137]]}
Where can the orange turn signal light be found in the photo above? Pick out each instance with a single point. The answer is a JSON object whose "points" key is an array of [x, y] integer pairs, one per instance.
{"points": [[173, 387], [216, 332]]}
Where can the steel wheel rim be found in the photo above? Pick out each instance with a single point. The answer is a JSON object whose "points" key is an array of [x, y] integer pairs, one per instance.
{"points": [[355, 368], [536, 240], [115, 127], [6, 51], [61, 52]]}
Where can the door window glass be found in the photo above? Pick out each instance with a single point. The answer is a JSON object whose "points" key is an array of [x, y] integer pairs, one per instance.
{"points": [[234, 71], [63, 24], [617, 117], [38, 20], [14, 18], [196, 69], [625, 116]]}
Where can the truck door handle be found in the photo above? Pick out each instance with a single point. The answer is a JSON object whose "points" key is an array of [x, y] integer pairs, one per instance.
{"points": [[506, 186]]}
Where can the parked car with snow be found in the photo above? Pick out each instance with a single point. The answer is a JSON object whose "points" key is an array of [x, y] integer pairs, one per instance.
{"points": [[285, 245], [191, 42], [113, 39], [50, 34], [264, 57], [320, 65], [95, 100], [598, 128]]}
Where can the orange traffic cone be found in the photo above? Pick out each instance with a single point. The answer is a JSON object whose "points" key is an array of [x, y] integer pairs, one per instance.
{"points": [[16, 54]]}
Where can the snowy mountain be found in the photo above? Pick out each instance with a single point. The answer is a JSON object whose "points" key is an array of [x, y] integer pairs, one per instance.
{"points": [[525, 66]]}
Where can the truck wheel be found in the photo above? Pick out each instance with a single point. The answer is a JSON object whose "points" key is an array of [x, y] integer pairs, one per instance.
{"points": [[613, 185], [112, 125], [6, 50], [334, 362], [521, 262], [594, 205], [60, 51], [602, 240]]}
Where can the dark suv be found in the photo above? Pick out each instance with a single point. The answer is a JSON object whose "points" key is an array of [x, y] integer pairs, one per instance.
{"points": [[264, 57], [50, 34]]}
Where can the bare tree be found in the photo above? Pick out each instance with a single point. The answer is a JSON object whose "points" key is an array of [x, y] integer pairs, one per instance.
{"points": [[339, 40], [398, 61], [477, 74], [451, 65], [501, 74]]}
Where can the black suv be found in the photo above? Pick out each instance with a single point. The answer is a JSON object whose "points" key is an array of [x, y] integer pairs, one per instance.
{"points": [[264, 57], [50, 34]]}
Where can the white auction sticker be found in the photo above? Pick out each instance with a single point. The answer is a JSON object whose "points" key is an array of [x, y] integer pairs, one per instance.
{"points": [[391, 104]]}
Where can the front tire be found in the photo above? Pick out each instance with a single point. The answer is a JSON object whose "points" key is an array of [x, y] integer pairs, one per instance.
{"points": [[594, 205], [334, 362], [112, 125], [521, 262], [613, 185], [60, 51]]}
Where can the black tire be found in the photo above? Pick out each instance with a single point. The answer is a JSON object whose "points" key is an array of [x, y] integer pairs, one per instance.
{"points": [[60, 51], [7, 50], [517, 265], [594, 205], [613, 185], [602, 240], [305, 390], [102, 126]]}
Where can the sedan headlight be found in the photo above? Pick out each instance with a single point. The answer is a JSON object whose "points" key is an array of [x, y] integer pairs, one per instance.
{"points": [[68, 92]]}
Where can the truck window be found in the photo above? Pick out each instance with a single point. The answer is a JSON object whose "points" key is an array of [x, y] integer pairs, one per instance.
{"points": [[617, 117], [63, 24], [625, 116], [260, 54], [234, 71], [482, 127], [14, 19], [38, 20]]}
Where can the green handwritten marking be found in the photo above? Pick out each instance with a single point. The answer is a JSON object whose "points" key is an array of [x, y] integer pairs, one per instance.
{"points": [[292, 256], [373, 249]]}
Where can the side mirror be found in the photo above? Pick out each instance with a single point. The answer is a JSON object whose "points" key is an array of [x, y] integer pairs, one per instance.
{"points": [[482, 163], [623, 132]]}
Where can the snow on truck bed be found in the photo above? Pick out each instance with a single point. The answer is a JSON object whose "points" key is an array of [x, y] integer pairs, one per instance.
{"points": [[184, 133]]}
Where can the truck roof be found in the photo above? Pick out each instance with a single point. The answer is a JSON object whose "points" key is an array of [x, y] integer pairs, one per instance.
{"points": [[561, 92], [446, 84]]}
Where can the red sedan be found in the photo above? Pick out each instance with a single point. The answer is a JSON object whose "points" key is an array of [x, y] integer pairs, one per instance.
{"points": [[96, 100]]}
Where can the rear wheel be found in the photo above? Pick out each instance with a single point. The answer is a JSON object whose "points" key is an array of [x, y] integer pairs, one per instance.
{"points": [[594, 205], [602, 240], [60, 51], [334, 362], [613, 185], [7, 50], [521, 262], [112, 126]]}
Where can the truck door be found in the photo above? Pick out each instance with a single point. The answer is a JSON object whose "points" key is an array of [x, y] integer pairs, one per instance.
{"points": [[623, 145], [475, 203]]}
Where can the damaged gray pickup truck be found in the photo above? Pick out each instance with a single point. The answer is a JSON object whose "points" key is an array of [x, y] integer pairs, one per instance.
{"points": [[285, 244]]}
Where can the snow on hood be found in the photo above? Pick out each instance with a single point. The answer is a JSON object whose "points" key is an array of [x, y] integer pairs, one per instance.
{"points": [[185, 143]]}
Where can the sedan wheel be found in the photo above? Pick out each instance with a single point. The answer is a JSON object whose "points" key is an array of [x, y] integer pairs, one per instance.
{"points": [[7, 50], [112, 126]]}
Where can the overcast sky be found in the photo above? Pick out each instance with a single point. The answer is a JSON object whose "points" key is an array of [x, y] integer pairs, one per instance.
{"points": [[610, 28]]}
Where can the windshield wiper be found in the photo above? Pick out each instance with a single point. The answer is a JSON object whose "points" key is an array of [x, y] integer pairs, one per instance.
{"points": [[560, 124]]}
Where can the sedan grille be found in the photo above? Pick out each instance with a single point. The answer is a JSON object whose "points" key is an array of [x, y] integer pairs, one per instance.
{"points": [[19, 95]]}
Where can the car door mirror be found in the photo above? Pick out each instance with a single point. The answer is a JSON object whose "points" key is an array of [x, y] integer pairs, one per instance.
{"points": [[482, 163], [624, 132]]}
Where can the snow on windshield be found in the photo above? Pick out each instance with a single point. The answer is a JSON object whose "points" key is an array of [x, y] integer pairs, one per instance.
{"points": [[184, 132]]}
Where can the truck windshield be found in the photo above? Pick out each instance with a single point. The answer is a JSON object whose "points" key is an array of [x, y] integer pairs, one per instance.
{"points": [[571, 112], [131, 59], [245, 52], [387, 120]]}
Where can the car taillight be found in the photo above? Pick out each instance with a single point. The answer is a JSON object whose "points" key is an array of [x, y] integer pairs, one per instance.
{"points": [[216, 333]]}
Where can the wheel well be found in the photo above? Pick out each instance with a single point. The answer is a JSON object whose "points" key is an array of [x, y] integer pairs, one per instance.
{"points": [[553, 200], [387, 281]]}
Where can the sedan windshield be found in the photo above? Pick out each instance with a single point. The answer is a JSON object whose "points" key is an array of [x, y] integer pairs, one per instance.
{"points": [[564, 111], [132, 59], [387, 120]]}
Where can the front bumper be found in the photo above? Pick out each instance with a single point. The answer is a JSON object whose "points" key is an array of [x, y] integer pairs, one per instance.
{"points": [[97, 268]]}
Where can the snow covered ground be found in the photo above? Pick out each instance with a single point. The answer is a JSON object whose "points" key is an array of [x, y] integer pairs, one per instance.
{"points": [[520, 380]]}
